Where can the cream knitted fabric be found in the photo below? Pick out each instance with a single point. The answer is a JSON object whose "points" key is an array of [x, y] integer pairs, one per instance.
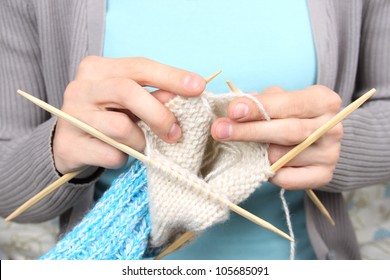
{"points": [[232, 170]]}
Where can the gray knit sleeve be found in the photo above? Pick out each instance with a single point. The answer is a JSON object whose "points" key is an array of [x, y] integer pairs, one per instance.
{"points": [[365, 153], [26, 163]]}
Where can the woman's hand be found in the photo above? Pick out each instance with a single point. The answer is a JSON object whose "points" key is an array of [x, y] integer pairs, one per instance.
{"points": [[294, 116], [108, 94]]}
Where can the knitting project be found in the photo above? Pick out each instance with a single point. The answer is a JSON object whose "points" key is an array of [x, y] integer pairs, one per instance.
{"points": [[117, 228], [148, 208]]}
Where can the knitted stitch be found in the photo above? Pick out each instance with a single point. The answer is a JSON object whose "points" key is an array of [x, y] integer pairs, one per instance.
{"points": [[118, 227], [231, 169]]}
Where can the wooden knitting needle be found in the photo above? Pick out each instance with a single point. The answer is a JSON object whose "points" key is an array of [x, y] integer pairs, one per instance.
{"points": [[64, 179], [185, 237], [289, 156], [277, 165], [232, 87], [213, 76], [46, 191], [317, 134], [323, 129], [126, 149]]}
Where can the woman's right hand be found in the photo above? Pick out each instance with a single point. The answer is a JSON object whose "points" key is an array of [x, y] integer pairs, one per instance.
{"points": [[108, 94]]}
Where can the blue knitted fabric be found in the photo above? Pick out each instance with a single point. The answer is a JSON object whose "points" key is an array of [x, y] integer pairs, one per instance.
{"points": [[117, 228]]}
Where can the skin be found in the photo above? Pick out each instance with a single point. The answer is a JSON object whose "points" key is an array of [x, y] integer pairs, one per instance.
{"points": [[108, 94], [294, 116]]}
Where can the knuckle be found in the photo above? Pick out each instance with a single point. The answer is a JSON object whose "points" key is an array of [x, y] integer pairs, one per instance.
{"points": [[273, 89], [319, 89], [327, 176], [140, 60], [73, 89], [121, 127], [275, 152], [332, 101], [291, 138], [124, 86], [137, 67], [286, 183], [164, 121], [296, 132], [294, 102], [113, 158], [332, 155], [88, 64], [334, 135], [296, 105], [337, 132], [324, 175]]}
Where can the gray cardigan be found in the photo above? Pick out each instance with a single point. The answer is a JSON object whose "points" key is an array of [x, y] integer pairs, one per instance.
{"points": [[42, 42]]}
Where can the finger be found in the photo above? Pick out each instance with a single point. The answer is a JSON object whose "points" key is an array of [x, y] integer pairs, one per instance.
{"points": [[285, 132], [124, 94], [307, 103], [298, 178], [317, 154], [117, 126], [144, 71], [273, 89], [163, 96], [84, 151], [104, 155], [93, 152]]}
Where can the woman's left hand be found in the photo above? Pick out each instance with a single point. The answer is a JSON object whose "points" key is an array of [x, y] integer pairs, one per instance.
{"points": [[294, 116]]}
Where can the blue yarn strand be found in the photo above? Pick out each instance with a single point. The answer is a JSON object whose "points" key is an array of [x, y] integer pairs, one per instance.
{"points": [[118, 227]]}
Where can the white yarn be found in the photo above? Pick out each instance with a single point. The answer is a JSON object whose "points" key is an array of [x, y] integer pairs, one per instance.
{"points": [[289, 224], [282, 191], [257, 102], [232, 170]]}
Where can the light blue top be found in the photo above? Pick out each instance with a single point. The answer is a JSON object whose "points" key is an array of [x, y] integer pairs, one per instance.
{"points": [[256, 44]]}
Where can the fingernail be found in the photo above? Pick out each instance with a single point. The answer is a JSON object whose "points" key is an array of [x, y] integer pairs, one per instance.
{"points": [[192, 81], [224, 130], [174, 133], [240, 111]]}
